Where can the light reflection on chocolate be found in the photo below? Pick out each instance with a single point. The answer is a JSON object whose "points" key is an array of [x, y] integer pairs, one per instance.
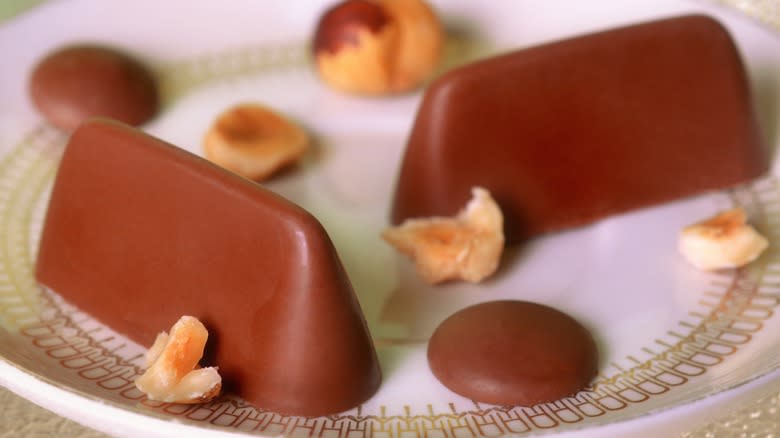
{"points": [[139, 232], [569, 132]]}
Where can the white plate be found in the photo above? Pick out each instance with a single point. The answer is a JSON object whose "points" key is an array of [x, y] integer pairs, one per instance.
{"points": [[677, 345]]}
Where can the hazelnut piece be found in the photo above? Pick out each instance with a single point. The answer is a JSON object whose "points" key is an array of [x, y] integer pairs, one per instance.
{"points": [[254, 141], [465, 247], [173, 375], [377, 47], [723, 241]]}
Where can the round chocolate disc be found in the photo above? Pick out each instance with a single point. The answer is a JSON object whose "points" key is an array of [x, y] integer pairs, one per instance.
{"points": [[512, 353], [79, 82]]}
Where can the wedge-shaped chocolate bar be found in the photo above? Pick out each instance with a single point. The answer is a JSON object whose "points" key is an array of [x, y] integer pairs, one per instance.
{"points": [[567, 133], [139, 232]]}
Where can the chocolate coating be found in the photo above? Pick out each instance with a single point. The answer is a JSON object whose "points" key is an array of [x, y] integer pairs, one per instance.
{"points": [[75, 83], [512, 353], [139, 232], [567, 133]]}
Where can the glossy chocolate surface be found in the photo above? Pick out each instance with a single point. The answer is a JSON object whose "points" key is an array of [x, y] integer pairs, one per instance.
{"points": [[75, 83], [139, 232], [512, 353], [569, 132]]}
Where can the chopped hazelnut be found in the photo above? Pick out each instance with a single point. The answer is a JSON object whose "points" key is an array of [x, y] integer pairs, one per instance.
{"points": [[722, 241], [254, 142], [466, 247], [377, 47], [173, 375]]}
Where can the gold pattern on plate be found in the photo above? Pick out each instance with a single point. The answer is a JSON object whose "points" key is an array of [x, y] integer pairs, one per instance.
{"points": [[24, 174], [179, 78], [738, 305], [766, 11]]}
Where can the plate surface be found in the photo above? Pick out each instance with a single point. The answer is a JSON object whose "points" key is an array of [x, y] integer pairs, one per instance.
{"points": [[675, 342]]}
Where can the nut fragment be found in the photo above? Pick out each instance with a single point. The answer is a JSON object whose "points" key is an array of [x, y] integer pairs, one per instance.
{"points": [[466, 247], [254, 142], [173, 376], [377, 47], [723, 241]]}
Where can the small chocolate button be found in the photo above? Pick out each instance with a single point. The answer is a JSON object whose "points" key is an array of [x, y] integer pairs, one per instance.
{"points": [[78, 82], [512, 353]]}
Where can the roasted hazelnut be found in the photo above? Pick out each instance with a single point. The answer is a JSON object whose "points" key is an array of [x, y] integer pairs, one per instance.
{"points": [[376, 47], [465, 247], [723, 241], [173, 374], [254, 141]]}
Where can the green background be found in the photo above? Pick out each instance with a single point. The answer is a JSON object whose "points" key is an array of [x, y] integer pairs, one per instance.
{"points": [[9, 8]]}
